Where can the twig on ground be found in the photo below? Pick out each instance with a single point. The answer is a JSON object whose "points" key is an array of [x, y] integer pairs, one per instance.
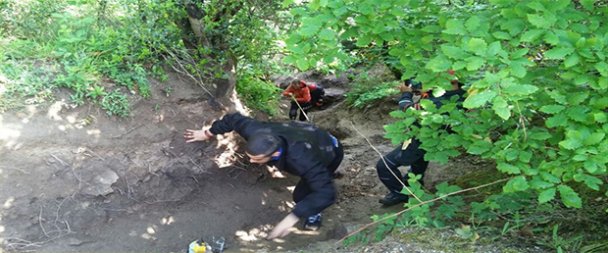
{"points": [[60, 161], [40, 222]]}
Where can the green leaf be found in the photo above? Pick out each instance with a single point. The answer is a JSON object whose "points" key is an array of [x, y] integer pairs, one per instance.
{"points": [[538, 183], [531, 35], [479, 147], [454, 26], [474, 63], [551, 38], [494, 48], [518, 69], [363, 41], [571, 60], [592, 182], [587, 4], [479, 99], [516, 184], [501, 35], [327, 34], [602, 67], [453, 52], [552, 109], [520, 90], [558, 53], [302, 64], [472, 24], [439, 64], [545, 21], [569, 196], [591, 166], [600, 117], [546, 195], [477, 46], [537, 6], [594, 138], [550, 177], [501, 108], [525, 156], [508, 168]]}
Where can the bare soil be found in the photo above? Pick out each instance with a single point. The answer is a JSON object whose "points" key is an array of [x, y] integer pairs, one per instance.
{"points": [[77, 180]]}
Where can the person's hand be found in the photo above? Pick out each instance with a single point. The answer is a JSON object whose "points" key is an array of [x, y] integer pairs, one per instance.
{"points": [[197, 135], [283, 228], [404, 88]]}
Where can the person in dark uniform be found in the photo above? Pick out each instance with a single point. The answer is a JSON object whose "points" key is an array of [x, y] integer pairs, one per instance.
{"points": [[409, 153], [295, 147]]}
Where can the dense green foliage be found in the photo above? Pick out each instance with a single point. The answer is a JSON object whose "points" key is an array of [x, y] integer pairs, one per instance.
{"points": [[104, 51], [536, 74]]}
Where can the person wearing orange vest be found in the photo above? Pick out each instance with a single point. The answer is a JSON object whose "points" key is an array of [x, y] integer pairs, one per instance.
{"points": [[301, 94]]}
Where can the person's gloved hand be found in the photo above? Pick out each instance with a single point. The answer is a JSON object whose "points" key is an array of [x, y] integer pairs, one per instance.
{"points": [[197, 135]]}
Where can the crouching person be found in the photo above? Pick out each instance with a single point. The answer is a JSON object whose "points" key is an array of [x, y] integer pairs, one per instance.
{"points": [[297, 148]]}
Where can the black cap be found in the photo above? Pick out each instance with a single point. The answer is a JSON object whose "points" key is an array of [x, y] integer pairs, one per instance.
{"points": [[263, 144]]}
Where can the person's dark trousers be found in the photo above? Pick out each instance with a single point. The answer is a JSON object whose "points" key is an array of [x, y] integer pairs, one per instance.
{"points": [[413, 155], [302, 189], [293, 110]]}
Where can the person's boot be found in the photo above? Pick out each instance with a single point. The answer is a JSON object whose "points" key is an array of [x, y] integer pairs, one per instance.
{"points": [[313, 222], [393, 198]]}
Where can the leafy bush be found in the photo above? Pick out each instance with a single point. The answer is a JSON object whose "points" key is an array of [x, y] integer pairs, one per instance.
{"points": [[258, 94], [366, 92], [80, 42]]}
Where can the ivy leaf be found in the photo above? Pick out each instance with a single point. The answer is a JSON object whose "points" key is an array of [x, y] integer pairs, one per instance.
{"points": [[569, 196], [546, 195], [479, 99], [516, 184], [558, 53], [508, 168], [501, 108], [454, 26]]}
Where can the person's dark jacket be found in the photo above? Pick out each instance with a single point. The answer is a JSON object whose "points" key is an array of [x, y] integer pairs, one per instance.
{"points": [[306, 152]]}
